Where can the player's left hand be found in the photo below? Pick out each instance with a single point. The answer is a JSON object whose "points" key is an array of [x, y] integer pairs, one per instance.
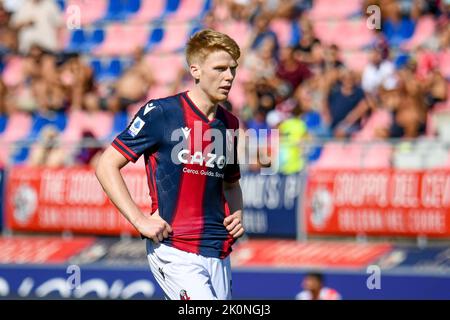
{"points": [[234, 226]]}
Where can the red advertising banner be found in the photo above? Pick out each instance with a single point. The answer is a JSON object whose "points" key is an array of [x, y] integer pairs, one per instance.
{"points": [[378, 202], [41, 249], [316, 254], [68, 199]]}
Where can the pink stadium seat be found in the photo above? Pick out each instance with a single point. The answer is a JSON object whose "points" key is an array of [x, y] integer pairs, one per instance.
{"points": [[159, 91], [187, 10], [171, 64], [91, 11], [175, 36], [13, 75], [425, 28], [239, 31], [99, 123], [150, 10], [326, 31], [355, 60], [18, 127], [122, 39], [283, 30], [353, 34], [330, 9]]}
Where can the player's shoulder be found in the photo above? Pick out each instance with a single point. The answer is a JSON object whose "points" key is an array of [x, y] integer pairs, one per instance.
{"points": [[230, 120], [157, 107], [168, 102]]}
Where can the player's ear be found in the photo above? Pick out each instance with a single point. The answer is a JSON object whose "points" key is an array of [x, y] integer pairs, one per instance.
{"points": [[195, 71]]}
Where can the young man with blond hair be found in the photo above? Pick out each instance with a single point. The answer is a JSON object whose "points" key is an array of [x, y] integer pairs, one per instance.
{"points": [[189, 144]]}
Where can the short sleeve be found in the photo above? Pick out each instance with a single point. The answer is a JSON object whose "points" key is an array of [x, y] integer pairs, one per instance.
{"points": [[143, 134]]}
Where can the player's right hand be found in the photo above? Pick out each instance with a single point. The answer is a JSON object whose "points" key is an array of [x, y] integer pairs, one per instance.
{"points": [[154, 228]]}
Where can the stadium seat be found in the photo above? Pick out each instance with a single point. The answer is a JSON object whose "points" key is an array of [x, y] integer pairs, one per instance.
{"points": [[171, 7], [352, 35], [122, 39], [187, 10], [171, 64], [132, 6], [78, 41], [91, 11], [283, 30], [115, 11], [174, 39], [328, 9], [17, 127], [12, 74], [238, 30], [149, 10], [425, 28], [156, 36]]}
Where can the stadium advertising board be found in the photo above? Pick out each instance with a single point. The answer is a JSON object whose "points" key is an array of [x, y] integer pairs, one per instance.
{"points": [[68, 199], [378, 202], [270, 204]]}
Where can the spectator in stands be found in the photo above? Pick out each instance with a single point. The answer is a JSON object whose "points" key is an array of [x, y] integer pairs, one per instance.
{"points": [[377, 71], [46, 151], [346, 104], [8, 37], [308, 38], [134, 84], [292, 132], [261, 32], [290, 70], [38, 21], [89, 151], [314, 289]]}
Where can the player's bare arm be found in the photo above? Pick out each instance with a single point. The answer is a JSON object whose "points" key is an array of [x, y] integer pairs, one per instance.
{"points": [[234, 222], [109, 176]]}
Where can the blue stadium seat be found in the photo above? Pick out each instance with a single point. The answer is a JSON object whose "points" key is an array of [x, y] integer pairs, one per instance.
{"points": [[98, 36], [206, 8], [156, 36], [3, 122], [172, 6], [77, 40], [115, 10], [40, 121], [132, 6], [97, 68], [61, 4], [114, 69]]}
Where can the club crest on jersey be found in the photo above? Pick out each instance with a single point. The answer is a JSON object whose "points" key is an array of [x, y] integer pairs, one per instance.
{"points": [[184, 295], [136, 127]]}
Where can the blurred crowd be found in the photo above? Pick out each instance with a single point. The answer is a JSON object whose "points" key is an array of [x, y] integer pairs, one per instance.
{"points": [[304, 89]]}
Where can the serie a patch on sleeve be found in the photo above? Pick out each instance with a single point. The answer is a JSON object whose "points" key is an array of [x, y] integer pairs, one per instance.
{"points": [[136, 127]]}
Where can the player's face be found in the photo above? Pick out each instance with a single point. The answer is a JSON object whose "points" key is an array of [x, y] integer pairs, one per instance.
{"points": [[216, 74]]}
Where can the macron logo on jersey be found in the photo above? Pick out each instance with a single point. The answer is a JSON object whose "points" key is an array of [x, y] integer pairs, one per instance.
{"points": [[186, 132], [149, 107], [136, 127]]}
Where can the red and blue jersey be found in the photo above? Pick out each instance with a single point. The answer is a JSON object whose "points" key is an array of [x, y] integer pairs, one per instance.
{"points": [[187, 159]]}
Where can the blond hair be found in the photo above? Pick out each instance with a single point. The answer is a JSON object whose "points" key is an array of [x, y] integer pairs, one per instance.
{"points": [[206, 41]]}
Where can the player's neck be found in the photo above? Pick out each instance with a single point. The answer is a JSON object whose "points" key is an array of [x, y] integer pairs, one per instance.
{"points": [[202, 102]]}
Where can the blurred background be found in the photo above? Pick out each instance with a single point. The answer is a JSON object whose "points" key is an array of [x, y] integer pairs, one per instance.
{"points": [[358, 90]]}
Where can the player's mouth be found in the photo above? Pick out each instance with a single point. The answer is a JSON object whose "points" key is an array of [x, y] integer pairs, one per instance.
{"points": [[225, 88]]}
